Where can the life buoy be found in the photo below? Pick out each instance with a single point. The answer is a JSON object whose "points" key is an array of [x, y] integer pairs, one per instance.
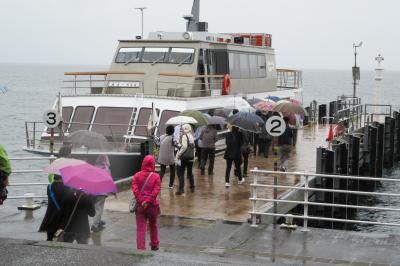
{"points": [[226, 85]]}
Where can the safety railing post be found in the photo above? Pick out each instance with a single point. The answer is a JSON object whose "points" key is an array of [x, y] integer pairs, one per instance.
{"points": [[305, 214], [34, 136], [254, 197]]}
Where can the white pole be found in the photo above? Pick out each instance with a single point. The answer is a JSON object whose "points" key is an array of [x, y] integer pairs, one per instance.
{"points": [[378, 79]]}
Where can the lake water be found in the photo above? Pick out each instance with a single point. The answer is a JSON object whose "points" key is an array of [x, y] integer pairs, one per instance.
{"points": [[32, 89]]}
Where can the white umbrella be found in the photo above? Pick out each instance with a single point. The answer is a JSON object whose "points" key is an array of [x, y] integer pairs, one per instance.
{"points": [[180, 120]]}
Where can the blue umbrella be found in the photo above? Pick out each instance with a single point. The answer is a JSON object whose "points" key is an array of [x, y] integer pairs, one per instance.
{"points": [[246, 121], [273, 98]]}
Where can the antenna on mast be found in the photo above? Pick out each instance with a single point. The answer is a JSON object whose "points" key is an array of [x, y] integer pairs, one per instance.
{"points": [[193, 20]]}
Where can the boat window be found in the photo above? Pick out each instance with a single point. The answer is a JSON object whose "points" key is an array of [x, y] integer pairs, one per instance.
{"points": [[142, 121], [66, 116], [234, 65], [166, 114], [181, 55], [129, 55], [221, 62], [112, 121], [155, 55], [253, 63], [82, 118], [244, 66], [261, 66]]}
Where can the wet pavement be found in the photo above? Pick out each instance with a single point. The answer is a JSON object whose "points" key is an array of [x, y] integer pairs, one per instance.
{"points": [[196, 242], [213, 201], [207, 227]]}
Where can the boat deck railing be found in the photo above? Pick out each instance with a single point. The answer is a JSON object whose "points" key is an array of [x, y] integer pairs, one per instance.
{"points": [[289, 79], [168, 84], [183, 89], [271, 206], [36, 137], [101, 82]]}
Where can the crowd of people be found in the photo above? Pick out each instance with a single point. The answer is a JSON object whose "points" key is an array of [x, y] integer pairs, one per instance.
{"points": [[179, 146], [69, 210]]}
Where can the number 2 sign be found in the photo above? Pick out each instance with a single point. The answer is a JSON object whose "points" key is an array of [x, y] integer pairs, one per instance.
{"points": [[51, 118], [275, 126]]}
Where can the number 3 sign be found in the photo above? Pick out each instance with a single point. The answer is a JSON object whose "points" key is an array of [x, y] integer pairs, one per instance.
{"points": [[51, 118], [275, 126]]}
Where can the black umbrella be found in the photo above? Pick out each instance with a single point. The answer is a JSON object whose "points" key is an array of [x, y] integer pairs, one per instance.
{"points": [[89, 139], [216, 120], [246, 121]]}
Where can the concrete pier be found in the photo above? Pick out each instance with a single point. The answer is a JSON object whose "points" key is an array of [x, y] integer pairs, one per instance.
{"points": [[213, 201]]}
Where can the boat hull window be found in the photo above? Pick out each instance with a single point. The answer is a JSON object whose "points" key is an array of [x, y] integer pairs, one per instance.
{"points": [[181, 55], [142, 122], [166, 114], [155, 55], [114, 121], [129, 55], [82, 117]]}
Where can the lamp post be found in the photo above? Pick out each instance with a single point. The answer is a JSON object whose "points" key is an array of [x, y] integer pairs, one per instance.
{"points": [[356, 69], [141, 10]]}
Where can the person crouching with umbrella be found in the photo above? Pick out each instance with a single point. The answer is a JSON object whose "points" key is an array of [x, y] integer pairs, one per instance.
{"points": [[145, 187]]}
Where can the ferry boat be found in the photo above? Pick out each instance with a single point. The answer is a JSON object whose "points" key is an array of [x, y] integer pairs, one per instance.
{"points": [[166, 73]]}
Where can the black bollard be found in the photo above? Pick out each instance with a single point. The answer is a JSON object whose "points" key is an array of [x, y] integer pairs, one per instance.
{"points": [[388, 158]]}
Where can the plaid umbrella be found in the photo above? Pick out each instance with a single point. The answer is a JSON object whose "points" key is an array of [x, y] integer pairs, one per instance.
{"points": [[265, 106]]}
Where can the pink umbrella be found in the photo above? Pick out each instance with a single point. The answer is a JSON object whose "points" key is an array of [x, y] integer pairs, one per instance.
{"points": [[57, 165], [88, 178], [265, 106]]}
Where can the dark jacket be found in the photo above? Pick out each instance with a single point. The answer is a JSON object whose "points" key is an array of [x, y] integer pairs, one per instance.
{"points": [[287, 137], [233, 142], [246, 140], [80, 220], [53, 219], [209, 137]]}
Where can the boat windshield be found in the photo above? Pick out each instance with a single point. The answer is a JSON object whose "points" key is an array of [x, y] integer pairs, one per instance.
{"points": [[129, 55], [181, 55], [154, 55], [172, 55]]}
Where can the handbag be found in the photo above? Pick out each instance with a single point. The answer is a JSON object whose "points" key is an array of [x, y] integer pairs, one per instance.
{"points": [[133, 205], [59, 234], [188, 154]]}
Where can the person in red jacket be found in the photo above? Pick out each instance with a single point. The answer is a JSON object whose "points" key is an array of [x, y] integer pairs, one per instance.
{"points": [[148, 207]]}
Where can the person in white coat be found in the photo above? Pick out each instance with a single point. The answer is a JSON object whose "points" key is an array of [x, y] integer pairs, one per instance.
{"points": [[184, 158]]}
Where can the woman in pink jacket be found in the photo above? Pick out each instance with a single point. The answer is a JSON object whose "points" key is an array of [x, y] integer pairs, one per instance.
{"points": [[148, 206]]}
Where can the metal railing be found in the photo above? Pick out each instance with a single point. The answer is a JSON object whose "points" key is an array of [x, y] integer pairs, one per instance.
{"points": [[29, 195], [106, 84], [350, 116], [289, 79], [187, 89], [305, 188], [370, 116], [36, 138]]}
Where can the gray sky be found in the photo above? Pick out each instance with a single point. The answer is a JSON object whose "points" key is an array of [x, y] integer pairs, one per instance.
{"points": [[307, 34]]}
